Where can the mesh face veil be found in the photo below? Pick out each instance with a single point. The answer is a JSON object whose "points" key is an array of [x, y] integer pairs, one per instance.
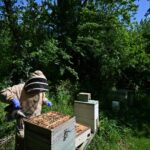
{"points": [[36, 83]]}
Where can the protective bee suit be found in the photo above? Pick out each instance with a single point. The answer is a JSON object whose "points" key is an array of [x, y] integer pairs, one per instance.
{"points": [[29, 98]]}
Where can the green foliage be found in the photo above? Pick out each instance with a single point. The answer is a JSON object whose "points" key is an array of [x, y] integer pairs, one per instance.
{"points": [[63, 98], [111, 136], [6, 128], [140, 143], [6, 58], [65, 36], [9, 144]]}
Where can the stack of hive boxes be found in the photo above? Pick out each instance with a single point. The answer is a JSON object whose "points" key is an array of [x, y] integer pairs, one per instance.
{"points": [[87, 111], [50, 131]]}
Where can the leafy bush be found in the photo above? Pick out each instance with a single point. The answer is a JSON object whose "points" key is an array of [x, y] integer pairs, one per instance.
{"points": [[7, 130], [63, 98]]}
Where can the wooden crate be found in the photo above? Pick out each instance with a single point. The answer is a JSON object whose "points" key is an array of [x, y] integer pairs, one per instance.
{"points": [[87, 113], [56, 134]]}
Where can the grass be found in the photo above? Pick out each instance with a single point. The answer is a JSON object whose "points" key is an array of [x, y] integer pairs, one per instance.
{"points": [[112, 136], [140, 143]]}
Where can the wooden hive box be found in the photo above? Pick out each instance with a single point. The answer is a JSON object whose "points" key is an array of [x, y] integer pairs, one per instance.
{"points": [[50, 131], [87, 113]]}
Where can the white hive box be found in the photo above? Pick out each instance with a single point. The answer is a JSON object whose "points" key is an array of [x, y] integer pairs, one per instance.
{"points": [[83, 133], [87, 113], [50, 131]]}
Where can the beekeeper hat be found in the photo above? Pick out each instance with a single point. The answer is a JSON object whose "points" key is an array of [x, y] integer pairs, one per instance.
{"points": [[36, 83]]}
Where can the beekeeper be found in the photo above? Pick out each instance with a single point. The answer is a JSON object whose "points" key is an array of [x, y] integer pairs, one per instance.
{"points": [[27, 97]]}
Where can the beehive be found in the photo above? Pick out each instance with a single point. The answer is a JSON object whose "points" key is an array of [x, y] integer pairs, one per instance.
{"points": [[50, 131], [87, 113]]}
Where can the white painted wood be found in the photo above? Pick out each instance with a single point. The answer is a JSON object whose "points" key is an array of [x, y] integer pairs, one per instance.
{"points": [[86, 143], [82, 137], [87, 113], [60, 138], [82, 111], [90, 123], [58, 133]]}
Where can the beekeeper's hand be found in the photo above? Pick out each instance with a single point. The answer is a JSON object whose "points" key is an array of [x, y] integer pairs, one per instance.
{"points": [[48, 103], [15, 102]]}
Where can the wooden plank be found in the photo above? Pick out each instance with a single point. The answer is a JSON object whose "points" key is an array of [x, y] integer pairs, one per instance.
{"points": [[37, 143], [38, 137], [89, 110], [90, 102], [64, 136], [35, 128], [86, 143], [84, 96], [84, 110], [93, 124], [87, 113], [82, 137], [67, 145], [58, 132]]}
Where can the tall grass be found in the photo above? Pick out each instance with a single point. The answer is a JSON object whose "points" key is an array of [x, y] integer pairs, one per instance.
{"points": [[62, 99], [7, 130], [110, 136], [141, 143]]}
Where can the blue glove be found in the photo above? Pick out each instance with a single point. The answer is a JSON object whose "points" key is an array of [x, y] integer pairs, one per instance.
{"points": [[15, 103], [48, 103]]}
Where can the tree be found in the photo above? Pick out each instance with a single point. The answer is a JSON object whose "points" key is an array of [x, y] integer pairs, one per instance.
{"points": [[101, 41]]}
